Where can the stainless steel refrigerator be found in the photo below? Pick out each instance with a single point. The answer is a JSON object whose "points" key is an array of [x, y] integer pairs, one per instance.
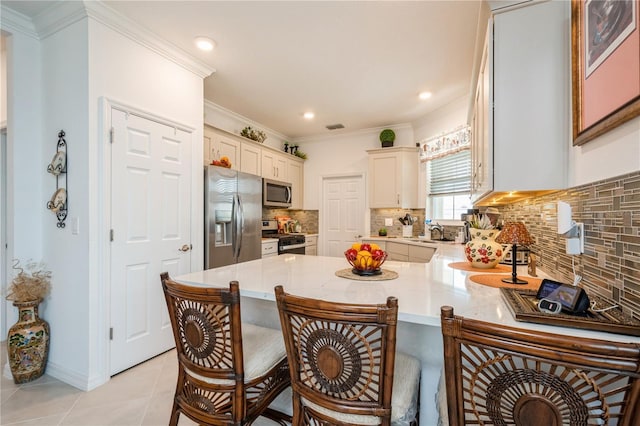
{"points": [[233, 212]]}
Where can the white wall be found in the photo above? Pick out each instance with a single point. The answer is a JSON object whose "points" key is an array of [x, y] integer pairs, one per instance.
{"points": [[613, 154], [25, 163], [54, 84], [3, 83], [66, 107], [343, 153], [222, 118], [118, 67], [442, 120]]}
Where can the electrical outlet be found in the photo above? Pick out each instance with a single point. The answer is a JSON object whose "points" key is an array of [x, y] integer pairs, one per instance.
{"points": [[388, 221]]}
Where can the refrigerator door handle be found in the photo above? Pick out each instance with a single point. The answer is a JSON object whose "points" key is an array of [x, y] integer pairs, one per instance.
{"points": [[239, 225]]}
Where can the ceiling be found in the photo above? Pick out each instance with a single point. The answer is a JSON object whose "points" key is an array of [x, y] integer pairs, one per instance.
{"points": [[361, 63]]}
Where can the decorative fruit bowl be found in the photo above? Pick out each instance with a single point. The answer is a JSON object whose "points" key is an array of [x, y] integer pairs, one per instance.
{"points": [[366, 259]]}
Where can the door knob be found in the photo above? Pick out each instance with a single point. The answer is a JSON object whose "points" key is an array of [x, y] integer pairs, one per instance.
{"points": [[185, 247]]}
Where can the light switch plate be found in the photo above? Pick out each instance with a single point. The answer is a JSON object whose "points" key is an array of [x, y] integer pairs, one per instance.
{"points": [[388, 221]]}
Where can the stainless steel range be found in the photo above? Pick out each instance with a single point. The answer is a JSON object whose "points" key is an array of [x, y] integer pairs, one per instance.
{"points": [[287, 243]]}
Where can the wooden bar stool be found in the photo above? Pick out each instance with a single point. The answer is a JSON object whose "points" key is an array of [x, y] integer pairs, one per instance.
{"points": [[343, 363], [504, 375], [228, 372]]}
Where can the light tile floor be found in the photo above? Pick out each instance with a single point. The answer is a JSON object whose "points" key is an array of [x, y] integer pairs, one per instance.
{"points": [[140, 396]]}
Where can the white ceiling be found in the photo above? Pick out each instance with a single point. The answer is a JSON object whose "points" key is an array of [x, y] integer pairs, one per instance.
{"points": [[358, 63]]}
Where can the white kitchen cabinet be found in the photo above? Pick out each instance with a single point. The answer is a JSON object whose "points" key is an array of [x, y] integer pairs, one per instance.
{"points": [[269, 247], [481, 131], [274, 165], [397, 251], [522, 120], [217, 144], [420, 254], [393, 178], [404, 251], [250, 158], [295, 175], [311, 245]]}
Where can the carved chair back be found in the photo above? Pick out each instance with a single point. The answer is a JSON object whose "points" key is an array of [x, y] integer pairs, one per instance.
{"points": [[341, 357], [503, 375], [212, 388]]}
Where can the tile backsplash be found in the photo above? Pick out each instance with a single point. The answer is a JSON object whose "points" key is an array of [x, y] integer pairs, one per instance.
{"points": [[610, 211], [309, 219], [378, 216]]}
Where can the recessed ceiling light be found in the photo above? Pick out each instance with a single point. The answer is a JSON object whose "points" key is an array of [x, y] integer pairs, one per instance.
{"points": [[424, 95], [308, 115], [205, 43]]}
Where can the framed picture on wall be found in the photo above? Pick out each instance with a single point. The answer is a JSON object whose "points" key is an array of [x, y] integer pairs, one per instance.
{"points": [[605, 55]]}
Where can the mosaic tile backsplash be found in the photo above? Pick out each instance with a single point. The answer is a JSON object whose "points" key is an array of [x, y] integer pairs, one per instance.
{"points": [[610, 211], [309, 219]]}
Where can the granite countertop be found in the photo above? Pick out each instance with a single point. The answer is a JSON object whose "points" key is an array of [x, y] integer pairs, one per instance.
{"points": [[421, 288]]}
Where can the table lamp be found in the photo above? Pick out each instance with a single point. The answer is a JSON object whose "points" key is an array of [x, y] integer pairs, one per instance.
{"points": [[514, 233]]}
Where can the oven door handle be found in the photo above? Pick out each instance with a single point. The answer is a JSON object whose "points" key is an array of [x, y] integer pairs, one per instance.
{"points": [[292, 247]]}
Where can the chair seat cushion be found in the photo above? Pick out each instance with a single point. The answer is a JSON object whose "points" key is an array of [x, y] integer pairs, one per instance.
{"points": [[262, 349], [404, 400]]}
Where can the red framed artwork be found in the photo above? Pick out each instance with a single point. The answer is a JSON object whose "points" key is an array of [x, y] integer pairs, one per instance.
{"points": [[605, 56]]}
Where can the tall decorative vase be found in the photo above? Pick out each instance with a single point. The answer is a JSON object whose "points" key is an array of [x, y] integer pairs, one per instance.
{"points": [[482, 250], [28, 343]]}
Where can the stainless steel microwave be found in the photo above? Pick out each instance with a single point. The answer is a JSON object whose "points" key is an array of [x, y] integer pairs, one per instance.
{"points": [[276, 193]]}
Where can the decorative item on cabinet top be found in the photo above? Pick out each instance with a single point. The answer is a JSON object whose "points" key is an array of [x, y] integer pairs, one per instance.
{"points": [[253, 134], [294, 149], [59, 203], [387, 137]]}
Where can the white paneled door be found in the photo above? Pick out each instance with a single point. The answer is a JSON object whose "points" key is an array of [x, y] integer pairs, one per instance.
{"points": [[151, 224], [343, 213]]}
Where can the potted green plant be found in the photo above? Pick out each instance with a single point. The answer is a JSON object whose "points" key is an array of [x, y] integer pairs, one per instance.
{"points": [[28, 339], [382, 232], [387, 136]]}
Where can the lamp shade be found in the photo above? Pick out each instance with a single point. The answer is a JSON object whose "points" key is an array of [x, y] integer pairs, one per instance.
{"points": [[514, 233]]}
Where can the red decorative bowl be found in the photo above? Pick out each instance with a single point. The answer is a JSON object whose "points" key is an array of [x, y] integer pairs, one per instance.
{"points": [[365, 262]]}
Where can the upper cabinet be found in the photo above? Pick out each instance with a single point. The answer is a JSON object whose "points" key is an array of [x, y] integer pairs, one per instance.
{"points": [[521, 108], [274, 165], [251, 157], [217, 145], [393, 178], [295, 173]]}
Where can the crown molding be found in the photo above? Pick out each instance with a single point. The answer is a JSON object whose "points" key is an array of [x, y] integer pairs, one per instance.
{"points": [[211, 106], [61, 14], [14, 22], [370, 130], [107, 16]]}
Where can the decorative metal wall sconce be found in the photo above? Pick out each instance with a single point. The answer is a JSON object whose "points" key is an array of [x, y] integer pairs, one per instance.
{"points": [[59, 203]]}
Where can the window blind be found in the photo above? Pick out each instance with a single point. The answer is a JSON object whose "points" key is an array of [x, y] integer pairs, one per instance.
{"points": [[450, 174]]}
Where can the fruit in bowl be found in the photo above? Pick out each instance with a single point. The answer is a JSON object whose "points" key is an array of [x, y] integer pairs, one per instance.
{"points": [[366, 259]]}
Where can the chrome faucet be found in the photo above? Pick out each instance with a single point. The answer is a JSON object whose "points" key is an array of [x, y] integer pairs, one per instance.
{"points": [[439, 228]]}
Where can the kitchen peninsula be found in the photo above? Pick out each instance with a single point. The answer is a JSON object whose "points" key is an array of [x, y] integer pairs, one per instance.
{"points": [[421, 289]]}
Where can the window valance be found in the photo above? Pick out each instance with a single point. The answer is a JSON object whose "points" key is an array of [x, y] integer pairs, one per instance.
{"points": [[447, 143]]}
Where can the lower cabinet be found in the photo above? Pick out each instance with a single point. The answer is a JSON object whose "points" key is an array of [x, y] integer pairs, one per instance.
{"points": [[420, 253], [311, 245], [397, 251], [404, 251], [269, 248]]}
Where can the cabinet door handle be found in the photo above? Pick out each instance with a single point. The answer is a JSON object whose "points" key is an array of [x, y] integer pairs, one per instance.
{"points": [[398, 199]]}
